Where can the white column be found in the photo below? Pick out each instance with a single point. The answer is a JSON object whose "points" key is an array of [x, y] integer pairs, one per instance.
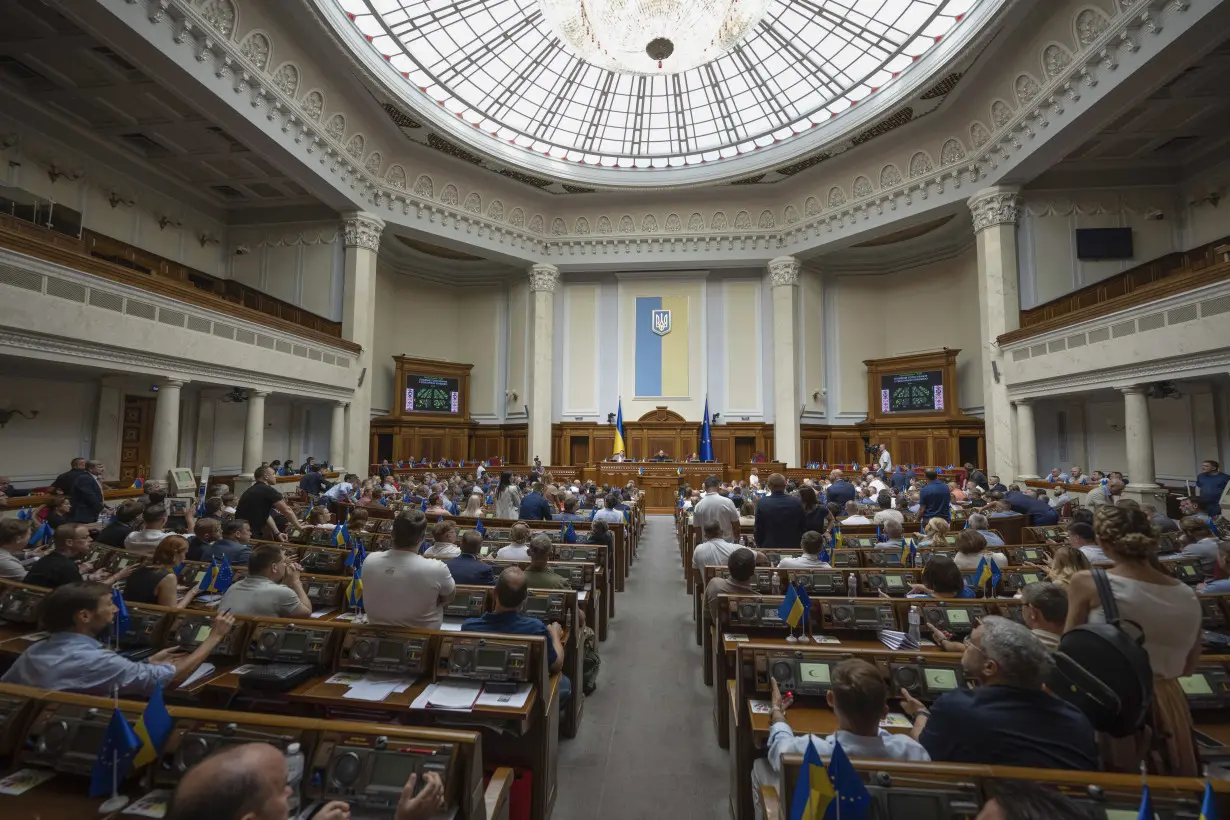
{"points": [[337, 437], [1027, 447], [109, 423], [1138, 431], [995, 212], [542, 329], [254, 432], [784, 281], [165, 447], [362, 235], [207, 409]]}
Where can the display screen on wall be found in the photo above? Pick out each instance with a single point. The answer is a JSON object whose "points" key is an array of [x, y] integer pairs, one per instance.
{"points": [[432, 394], [906, 392]]}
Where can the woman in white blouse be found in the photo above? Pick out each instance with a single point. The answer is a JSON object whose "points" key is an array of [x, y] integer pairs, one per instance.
{"points": [[972, 548]]}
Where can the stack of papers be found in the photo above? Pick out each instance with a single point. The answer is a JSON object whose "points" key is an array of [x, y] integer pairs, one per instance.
{"points": [[515, 700], [897, 640], [201, 671], [370, 686]]}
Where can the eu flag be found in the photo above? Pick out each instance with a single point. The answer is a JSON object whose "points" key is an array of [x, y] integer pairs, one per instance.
{"points": [[706, 444], [153, 729], [852, 798], [791, 610], [570, 534], [988, 571], [121, 613], [479, 528], [1146, 806], [804, 601], [24, 514], [225, 576], [1208, 809], [879, 534], [357, 554], [114, 756], [813, 793]]}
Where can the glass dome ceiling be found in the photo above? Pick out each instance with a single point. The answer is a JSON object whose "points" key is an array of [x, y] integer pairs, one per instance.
{"points": [[496, 75]]}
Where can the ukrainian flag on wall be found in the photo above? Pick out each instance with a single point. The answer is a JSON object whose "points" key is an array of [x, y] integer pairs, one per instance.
{"points": [[662, 346]]}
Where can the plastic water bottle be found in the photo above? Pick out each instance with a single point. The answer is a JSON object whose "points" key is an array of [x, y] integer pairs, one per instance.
{"points": [[852, 586], [915, 626], [294, 775]]}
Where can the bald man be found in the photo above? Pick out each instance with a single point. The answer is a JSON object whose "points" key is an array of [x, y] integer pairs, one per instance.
{"points": [[248, 782]]}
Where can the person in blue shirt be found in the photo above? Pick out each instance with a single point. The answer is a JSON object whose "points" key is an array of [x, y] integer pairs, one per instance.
{"points": [[467, 568], [1223, 561], [935, 499], [1210, 484], [1041, 514], [534, 506], [839, 491], [900, 479], [506, 619], [570, 510]]}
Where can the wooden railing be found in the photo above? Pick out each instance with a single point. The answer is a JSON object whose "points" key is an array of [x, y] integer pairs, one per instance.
{"points": [[1165, 276], [119, 262]]}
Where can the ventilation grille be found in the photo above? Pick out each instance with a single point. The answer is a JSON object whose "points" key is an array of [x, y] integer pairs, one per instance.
{"points": [[314, 355], [65, 290], [281, 346], [1037, 350], [142, 310], [224, 331], [1020, 355], [21, 278], [329, 358], [300, 351], [1099, 335], [1056, 346], [1153, 321], [198, 324], [107, 301], [245, 336], [1076, 341], [1122, 329], [174, 318], [1213, 307], [1181, 314], [265, 342]]}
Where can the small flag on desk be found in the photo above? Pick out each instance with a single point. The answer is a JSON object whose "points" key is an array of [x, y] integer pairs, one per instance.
{"points": [[988, 571], [804, 601], [570, 535], [24, 514], [121, 618], [341, 535], [114, 756], [41, 536], [1208, 809], [825, 555], [357, 554], [424, 505], [138, 483], [152, 729], [354, 590], [839, 540], [479, 528], [1146, 805], [879, 534], [179, 569], [908, 552], [226, 576], [852, 798], [678, 471], [211, 574], [640, 471], [791, 609], [813, 793]]}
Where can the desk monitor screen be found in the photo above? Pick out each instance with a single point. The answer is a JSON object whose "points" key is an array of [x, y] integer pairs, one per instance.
{"points": [[1124, 814], [940, 680], [916, 806], [866, 613], [1196, 684], [88, 739], [294, 641], [389, 650], [392, 770], [1187, 570], [490, 658], [432, 394], [905, 392], [957, 616], [814, 672], [894, 582], [203, 633], [537, 606], [1030, 577]]}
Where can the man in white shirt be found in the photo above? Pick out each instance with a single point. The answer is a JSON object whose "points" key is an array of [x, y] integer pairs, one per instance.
{"points": [[886, 460], [717, 508], [853, 516], [146, 539], [754, 479], [876, 485], [272, 588], [1081, 536], [811, 543], [343, 491], [886, 512], [858, 698], [443, 541], [714, 550], [1075, 476], [401, 587]]}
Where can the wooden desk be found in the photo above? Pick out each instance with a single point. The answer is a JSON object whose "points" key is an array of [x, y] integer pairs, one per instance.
{"points": [[658, 480], [61, 798]]}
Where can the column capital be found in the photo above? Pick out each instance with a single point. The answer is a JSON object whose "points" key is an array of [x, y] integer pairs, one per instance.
{"points": [[254, 393], [1022, 402], [1000, 205], [174, 384], [362, 230], [1133, 389], [341, 403], [543, 278], [783, 271]]}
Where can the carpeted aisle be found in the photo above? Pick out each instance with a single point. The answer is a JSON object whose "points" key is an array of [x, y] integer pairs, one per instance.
{"points": [[646, 747]]}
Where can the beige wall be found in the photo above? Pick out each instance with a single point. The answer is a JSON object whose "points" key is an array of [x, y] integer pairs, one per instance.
{"points": [[580, 345], [35, 450], [743, 345], [924, 308]]}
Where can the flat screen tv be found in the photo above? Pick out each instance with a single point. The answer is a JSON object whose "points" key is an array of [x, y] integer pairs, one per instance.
{"points": [[431, 394], [912, 392], [1104, 243]]}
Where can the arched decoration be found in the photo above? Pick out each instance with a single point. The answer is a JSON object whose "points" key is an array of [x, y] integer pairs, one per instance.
{"points": [[743, 221], [792, 214], [449, 195], [286, 78], [673, 223], [581, 228], [662, 414], [372, 166], [625, 224], [649, 224], [336, 127], [473, 203], [1055, 58], [920, 164], [536, 223], [313, 105], [396, 177], [890, 176], [604, 226], [423, 187], [1001, 113], [516, 218], [696, 223], [496, 210], [354, 146], [952, 152], [862, 188], [979, 135], [558, 228], [837, 197], [221, 14], [1089, 25], [812, 206], [719, 222], [1026, 88], [257, 49], [766, 221]]}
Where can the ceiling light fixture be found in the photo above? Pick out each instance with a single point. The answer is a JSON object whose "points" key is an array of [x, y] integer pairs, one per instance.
{"points": [[652, 36]]}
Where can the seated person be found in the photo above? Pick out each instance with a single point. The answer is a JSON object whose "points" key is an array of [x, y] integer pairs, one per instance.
{"points": [[1198, 542], [1164, 523], [467, 567], [661, 456], [206, 532], [812, 542], [742, 566], [474, 506], [936, 528], [714, 550], [570, 510], [1045, 611], [248, 782], [859, 700], [941, 579], [1081, 537], [443, 541], [229, 502], [510, 591], [59, 567], [1223, 561], [56, 511], [153, 530], [610, 513], [123, 523], [1023, 800], [600, 533], [233, 546], [155, 582], [271, 589], [979, 522], [518, 547], [401, 587], [886, 511], [357, 521], [71, 659], [14, 538], [853, 516], [972, 549], [1008, 718], [539, 575], [436, 506], [320, 518]]}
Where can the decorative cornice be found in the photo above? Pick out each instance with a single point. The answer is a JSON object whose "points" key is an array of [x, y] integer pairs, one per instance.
{"points": [[783, 272], [995, 206], [1175, 367], [543, 278], [362, 231]]}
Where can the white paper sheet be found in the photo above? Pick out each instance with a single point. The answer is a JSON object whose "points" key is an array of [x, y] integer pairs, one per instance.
{"points": [[513, 701], [153, 804], [456, 696], [583, 595], [201, 671], [21, 781], [320, 613], [451, 626]]}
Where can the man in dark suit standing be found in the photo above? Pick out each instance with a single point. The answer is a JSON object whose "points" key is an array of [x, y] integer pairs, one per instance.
{"points": [[534, 507], [64, 481], [975, 477], [313, 483], [86, 494], [779, 517], [840, 491]]}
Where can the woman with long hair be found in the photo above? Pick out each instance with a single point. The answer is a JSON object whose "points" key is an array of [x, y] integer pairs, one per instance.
{"points": [[507, 497], [1065, 562], [941, 579], [474, 506], [814, 514], [156, 582], [1168, 613], [936, 528]]}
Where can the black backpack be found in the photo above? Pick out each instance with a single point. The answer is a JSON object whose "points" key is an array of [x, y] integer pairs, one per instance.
{"points": [[1104, 670]]}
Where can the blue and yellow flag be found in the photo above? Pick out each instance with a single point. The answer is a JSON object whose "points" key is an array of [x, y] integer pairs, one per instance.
{"points": [[839, 540], [1208, 809], [41, 536], [619, 430], [570, 534], [852, 798], [138, 483], [354, 590], [153, 729], [908, 552], [115, 755], [791, 610], [211, 575], [804, 601], [987, 572], [813, 793], [661, 345], [341, 535]]}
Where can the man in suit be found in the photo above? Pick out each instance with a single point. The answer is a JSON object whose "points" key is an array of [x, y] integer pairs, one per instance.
{"points": [[467, 568], [840, 491], [975, 477], [64, 481], [233, 546], [313, 483], [661, 456], [86, 494], [779, 517], [534, 507]]}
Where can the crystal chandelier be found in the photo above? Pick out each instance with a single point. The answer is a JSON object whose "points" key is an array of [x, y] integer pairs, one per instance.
{"points": [[651, 36]]}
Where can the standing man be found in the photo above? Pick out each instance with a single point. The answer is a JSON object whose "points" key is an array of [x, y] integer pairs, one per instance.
{"points": [[86, 493], [779, 517], [975, 478], [839, 490], [258, 502], [1108, 493], [717, 508], [64, 481], [886, 460], [534, 506], [1210, 485], [934, 498]]}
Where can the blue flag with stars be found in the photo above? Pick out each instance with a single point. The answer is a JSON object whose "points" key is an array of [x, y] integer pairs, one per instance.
{"points": [[119, 746], [852, 800], [570, 535], [121, 619]]}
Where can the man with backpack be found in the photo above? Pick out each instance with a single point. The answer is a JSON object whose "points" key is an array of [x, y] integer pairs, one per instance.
{"points": [[1007, 719]]}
